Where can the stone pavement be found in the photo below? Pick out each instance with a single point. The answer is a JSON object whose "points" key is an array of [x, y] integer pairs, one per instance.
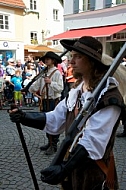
{"points": [[14, 171]]}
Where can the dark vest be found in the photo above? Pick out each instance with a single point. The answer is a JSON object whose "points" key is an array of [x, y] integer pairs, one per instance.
{"points": [[89, 175]]}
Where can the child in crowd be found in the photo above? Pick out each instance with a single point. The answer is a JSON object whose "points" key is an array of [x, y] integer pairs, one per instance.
{"points": [[17, 80], [8, 92], [28, 95], [30, 70]]}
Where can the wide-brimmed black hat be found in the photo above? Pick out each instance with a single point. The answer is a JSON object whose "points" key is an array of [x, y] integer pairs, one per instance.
{"points": [[86, 45], [52, 55]]}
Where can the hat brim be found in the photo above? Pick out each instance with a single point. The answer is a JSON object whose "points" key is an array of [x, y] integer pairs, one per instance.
{"points": [[69, 45], [56, 57]]}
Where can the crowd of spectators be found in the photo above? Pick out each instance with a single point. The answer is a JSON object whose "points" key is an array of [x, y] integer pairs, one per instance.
{"points": [[16, 75]]}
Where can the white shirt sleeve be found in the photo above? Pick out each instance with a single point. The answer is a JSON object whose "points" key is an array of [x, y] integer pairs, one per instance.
{"points": [[98, 131], [56, 118], [35, 86]]}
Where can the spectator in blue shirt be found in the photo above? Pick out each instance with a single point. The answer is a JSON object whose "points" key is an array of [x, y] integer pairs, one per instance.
{"points": [[17, 81]]}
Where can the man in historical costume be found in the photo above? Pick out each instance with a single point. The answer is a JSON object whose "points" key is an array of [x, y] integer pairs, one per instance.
{"points": [[50, 86], [81, 169]]}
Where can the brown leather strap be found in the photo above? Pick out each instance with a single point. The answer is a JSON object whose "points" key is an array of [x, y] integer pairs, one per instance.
{"points": [[108, 171], [102, 166], [42, 94], [49, 77], [111, 179]]}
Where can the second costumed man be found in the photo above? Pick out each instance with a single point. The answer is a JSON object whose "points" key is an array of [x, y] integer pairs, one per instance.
{"points": [[50, 87]]}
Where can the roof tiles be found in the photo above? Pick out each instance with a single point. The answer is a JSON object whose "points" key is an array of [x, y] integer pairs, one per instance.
{"points": [[13, 3]]}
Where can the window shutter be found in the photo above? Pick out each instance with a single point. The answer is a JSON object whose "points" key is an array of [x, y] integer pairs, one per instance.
{"points": [[108, 3], [76, 6], [92, 5]]}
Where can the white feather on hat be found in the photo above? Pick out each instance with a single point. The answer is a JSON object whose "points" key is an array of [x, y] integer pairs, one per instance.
{"points": [[120, 74]]}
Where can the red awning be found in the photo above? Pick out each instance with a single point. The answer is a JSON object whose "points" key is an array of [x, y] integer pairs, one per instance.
{"points": [[95, 32]]}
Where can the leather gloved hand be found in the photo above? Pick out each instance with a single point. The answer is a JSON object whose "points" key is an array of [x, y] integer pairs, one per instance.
{"points": [[30, 119], [16, 115], [54, 174], [57, 173]]}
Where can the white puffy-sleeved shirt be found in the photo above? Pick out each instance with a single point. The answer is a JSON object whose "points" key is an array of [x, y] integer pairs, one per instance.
{"points": [[98, 127], [54, 89]]}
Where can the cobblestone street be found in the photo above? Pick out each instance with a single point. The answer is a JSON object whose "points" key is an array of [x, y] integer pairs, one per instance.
{"points": [[14, 171]]}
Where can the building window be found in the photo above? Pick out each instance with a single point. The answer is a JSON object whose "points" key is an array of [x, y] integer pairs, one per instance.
{"points": [[55, 14], [88, 5], [33, 5], [120, 1], [55, 42], [117, 37], [33, 37], [4, 22]]}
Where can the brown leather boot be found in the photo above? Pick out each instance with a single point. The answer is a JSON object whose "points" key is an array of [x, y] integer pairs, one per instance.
{"points": [[54, 139]]}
